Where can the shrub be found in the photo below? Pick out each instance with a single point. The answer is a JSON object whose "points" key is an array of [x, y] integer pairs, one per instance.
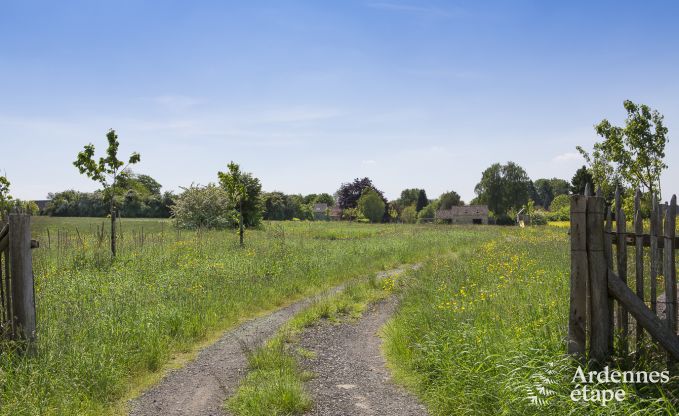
{"points": [[428, 212], [371, 205], [539, 217], [203, 207], [409, 215]]}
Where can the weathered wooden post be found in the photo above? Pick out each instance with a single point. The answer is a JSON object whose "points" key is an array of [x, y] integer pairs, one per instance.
{"points": [[598, 279], [579, 275], [655, 254], [669, 268], [621, 228], [639, 263], [21, 270]]}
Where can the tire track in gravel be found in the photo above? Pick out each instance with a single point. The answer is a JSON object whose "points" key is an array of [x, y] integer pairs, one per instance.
{"points": [[351, 377], [201, 387]]}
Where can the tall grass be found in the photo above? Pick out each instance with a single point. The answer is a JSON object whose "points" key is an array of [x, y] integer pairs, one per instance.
{"points": [[483, 333], [103, 325]]}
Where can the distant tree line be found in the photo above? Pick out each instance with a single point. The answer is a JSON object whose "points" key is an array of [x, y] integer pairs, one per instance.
{"points": [[135, 196]]}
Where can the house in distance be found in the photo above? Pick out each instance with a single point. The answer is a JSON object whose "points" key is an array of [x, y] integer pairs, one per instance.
{"points": [[469, 214], [320, 211]]}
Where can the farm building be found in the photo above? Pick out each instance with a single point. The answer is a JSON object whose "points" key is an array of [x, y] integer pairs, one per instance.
{"points": [[470, 214], [320, 211], [336, 213]]}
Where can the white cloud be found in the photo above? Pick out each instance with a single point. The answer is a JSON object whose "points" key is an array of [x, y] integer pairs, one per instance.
{"points": [[368, 162], [176, 102]]}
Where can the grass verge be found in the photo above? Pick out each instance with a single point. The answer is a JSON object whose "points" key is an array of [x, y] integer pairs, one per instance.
{"points": [[483, 334], [275, 382]]}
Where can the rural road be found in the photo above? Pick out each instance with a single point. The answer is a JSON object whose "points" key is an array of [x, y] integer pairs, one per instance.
{"points": [[201, 387], [351, 377]]}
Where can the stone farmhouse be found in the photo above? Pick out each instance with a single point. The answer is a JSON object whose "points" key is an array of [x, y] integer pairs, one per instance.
{"points": [[470, 214]]}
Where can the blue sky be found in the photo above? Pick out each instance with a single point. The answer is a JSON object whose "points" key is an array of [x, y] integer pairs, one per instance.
{"points": [[309, 94]]}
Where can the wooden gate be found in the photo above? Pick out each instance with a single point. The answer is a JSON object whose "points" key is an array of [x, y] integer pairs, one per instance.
{"points": [[601, 300], [17, 300]]}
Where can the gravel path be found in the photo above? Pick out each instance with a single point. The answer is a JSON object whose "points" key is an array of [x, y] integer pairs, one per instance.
{"points": [[201, 387], [350, 373]]}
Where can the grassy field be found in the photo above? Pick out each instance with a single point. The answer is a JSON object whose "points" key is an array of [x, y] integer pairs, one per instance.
{"points": [[480, 330], [107, 328], [483, 333]]}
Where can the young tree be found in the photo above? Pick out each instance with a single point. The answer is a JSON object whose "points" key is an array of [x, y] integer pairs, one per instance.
{"points": [[633, 153], [580, 180], [107, 171], [371, 205], [409, 215], [422, 200], [244, 191], [5, 197]]}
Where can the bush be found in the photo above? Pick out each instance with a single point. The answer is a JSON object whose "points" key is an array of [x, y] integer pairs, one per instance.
{"points": [[371, 205], [539, 217], [428, 212], [409, 215], [203, 207]]}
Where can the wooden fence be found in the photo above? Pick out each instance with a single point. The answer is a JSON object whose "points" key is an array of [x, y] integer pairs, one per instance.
{"points": [[601, 300], [17, 300]]}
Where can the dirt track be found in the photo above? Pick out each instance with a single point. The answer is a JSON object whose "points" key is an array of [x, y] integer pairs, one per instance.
{"points": [[201, 387], [351, 377]]}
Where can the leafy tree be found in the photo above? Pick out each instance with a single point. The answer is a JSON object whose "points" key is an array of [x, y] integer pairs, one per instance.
{"points": [[633, 154], [547, 189], [503, 187], [427, 212], [371, 205], [203, 207], [580, 180], [409, 215], [560, 202], [422, 200], [325, 198], [244, 192], [409, 197], [450, 199], [107, 171], [349, 193], [309, 199], [274, 206]]}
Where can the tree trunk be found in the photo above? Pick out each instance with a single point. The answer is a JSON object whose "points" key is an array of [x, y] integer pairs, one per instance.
{"points": [[240, 222], [113, 229]]}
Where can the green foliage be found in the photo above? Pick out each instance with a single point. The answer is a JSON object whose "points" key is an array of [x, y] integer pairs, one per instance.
{"points": [[450, 199], [108, 169], [325, 198], [244, 191], [426, 213], [409, 197], [279, 206], [5, 197], [409, 215], [371, 205], [631, 155], [422, 200], [580, 180], [547, 189], [482, 330], [105, 326], [203, 208], [349, 193], [503, 187], [132, 203]]}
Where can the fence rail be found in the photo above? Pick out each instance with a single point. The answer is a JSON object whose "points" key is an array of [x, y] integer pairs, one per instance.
{"points": [[601, 299]]}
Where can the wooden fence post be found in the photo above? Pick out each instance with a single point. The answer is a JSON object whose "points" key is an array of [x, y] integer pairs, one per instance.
{"points": [[670, 268], [577, 320], [655, 254], [21, 264], [621, 228], [598, 279]]}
